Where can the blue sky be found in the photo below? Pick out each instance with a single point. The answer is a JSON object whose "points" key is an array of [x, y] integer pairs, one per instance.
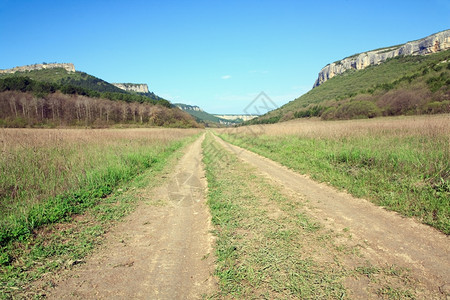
{"points": [[216, 54]]}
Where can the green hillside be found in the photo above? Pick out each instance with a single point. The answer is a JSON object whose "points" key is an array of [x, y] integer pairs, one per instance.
{"points": [[62, 77], [401, 85]]}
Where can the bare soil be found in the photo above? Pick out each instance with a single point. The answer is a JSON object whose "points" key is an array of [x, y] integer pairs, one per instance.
{"points": [[384, 237], [161, 251]]}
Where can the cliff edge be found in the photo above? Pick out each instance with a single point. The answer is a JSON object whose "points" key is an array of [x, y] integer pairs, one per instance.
{"points": [[69, 67], [431, 44], [132, 87]]}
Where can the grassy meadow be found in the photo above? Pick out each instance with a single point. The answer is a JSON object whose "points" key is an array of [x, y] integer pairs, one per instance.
{"points": [[401, 163], [50, 176]]}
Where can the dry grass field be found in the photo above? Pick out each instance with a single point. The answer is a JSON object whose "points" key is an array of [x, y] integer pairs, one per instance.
{"points": [[429, 126], [37, 165]]}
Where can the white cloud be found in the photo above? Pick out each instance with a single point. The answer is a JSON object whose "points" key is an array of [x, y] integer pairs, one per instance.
{"points": [[226, 77]]}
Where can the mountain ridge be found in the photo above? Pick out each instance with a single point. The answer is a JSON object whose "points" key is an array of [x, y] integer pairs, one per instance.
{"points": [[403, 85]]}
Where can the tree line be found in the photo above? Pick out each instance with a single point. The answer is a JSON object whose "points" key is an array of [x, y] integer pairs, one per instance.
{"points": [[25, 109]]}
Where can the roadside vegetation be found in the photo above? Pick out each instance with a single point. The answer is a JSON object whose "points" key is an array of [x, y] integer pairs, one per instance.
{"points": [[409, 85], [60, 189], [269, 247], [402, 164]]}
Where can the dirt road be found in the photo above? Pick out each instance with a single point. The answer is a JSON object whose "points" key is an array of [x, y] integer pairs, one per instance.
{"points": [[161, 251], [388, 238], [164, 249]]}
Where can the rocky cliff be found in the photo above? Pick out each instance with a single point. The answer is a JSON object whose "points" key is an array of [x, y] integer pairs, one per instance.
{"points": [[187, 107], [431, 44], [132, 87], [68, 66]]}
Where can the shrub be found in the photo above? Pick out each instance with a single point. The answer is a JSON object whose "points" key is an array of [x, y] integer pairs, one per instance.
{"points": [[357, 110], [437, 107], [328, 114], [398, 102], [312, 111], [437, 82], [288, 116]]}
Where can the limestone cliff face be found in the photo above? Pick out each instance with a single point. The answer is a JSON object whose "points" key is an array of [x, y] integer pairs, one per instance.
{"points": [[132, 87], [187, 107], [68, 66], [431, 44]]}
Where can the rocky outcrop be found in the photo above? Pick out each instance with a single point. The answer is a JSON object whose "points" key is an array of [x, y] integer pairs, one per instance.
{"points": [[431, 44], [132, 87], [187, 107], [67, 66]]}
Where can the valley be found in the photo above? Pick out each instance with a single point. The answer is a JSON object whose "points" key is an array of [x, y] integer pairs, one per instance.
{"points": [[108, 190]]}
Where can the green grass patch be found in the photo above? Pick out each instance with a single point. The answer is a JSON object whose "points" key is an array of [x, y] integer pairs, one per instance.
{"points": [[407, 173]]}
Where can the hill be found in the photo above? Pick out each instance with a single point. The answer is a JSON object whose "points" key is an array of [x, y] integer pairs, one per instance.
{"points": [[61, 74], [431, 44], [54, 97], [203, 117], [400, 85]]}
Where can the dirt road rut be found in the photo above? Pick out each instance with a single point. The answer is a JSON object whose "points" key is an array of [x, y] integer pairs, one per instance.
{"points": [[161, 251]]}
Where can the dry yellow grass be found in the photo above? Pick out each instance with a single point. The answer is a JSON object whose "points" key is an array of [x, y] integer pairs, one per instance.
{"points": [[13, 139], [36, 164], [315, 128]]}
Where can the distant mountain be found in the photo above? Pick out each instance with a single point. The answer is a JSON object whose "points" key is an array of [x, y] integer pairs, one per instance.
{"points": [[402, 84], [206, 118]]}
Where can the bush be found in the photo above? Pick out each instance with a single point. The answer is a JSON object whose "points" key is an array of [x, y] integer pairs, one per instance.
{"points": [[328, 114], [401, 101], [437, 82], [313, 111], [437, 107], [357, 110]]}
